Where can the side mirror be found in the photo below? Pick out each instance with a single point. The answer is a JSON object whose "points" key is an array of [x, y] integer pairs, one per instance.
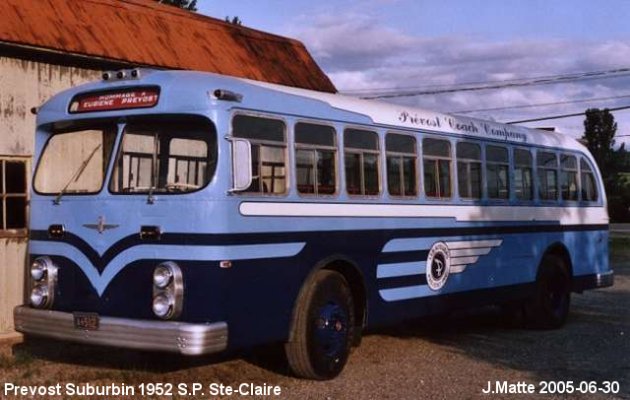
{"points": [[241, 165]]}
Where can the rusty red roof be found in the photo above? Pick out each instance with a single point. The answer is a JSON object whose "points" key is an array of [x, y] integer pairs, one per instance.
{"points": [[146, 33]]}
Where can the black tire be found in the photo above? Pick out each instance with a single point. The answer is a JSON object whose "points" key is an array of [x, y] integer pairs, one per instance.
{"points": [[322, 329], [549, 306]]}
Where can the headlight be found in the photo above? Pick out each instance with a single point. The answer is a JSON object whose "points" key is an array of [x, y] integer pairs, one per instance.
{"points": [[168, 290], [43, 282], [38, 270], [39, 296], [162, 276], [163, 305]]}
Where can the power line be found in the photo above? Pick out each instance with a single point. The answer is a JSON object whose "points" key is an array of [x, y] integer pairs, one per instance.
{"points": [[553, 76], [542, 104], [563, 116], [583, 77]]}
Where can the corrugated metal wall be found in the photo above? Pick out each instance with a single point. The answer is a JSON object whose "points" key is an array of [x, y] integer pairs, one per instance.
{"points": [[23, 85]]}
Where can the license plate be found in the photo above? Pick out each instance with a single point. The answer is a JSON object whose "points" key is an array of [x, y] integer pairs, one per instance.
{"points": [[86, 321]]}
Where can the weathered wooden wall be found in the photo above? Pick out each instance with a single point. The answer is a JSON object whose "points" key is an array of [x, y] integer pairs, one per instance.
{"points": [[23, 85]]}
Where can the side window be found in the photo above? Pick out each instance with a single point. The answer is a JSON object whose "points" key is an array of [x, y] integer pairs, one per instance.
{"points": [[13, 207], [436, 160], [568, 177], [589, 184], [315, 155], [497, 167], [469, 170], [547, 170], [523, 188], [269, 160], [361, 158], [401, 165]]}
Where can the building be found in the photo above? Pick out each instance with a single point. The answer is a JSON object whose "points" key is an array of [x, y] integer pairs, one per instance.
{"points": [[49, 45]]}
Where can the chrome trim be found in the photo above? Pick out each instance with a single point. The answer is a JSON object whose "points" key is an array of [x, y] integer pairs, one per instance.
{"points": [[169, 336], [605, 280], [593, 281]]}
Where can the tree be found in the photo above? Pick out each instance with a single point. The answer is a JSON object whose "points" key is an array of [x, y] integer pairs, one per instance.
{"points": [[599, 133], [190, 5]]}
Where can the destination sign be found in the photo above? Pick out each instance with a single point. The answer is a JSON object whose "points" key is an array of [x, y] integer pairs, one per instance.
{"points": [[118, 100]]}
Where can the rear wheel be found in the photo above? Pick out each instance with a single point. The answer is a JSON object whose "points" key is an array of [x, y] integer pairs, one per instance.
{"points": [[549, 306], [322, 328]]}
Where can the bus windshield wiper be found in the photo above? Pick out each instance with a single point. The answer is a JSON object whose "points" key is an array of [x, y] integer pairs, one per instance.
{"points": [[150, 198], [76, 175]]}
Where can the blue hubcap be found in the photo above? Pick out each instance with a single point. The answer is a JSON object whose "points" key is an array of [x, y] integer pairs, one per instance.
{"points": [[331, 330]]}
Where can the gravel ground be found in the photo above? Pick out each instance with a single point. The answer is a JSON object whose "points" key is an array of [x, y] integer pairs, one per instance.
{"points": [[450, 357]]}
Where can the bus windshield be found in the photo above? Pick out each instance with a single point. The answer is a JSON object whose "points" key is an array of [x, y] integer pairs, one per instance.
{"points": [[75, 160], [165, 156]]}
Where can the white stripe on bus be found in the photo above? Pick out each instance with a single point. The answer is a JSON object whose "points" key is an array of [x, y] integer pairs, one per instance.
{"points": [[560, 215]]}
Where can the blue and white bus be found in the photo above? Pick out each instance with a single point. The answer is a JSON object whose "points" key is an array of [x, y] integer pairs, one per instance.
{"points": [[196, 213]]}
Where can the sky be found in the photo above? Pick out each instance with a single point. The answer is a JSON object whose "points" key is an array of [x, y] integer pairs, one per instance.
{"points": [[391, 47]]}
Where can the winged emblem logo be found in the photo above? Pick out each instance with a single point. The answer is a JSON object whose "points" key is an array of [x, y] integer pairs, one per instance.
{"points": [[100, 225]]}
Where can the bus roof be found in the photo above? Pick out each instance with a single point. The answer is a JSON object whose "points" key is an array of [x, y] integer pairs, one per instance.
{"points": [[187, 91], [395, 115]]}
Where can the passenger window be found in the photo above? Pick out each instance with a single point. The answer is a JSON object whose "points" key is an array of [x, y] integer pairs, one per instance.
{"points": [[469, 170], [361, 158], [568, 177], [315, 159], [589, 184], [547, 170], [497, 167], [523, 188], [269, 164], [401, 165], [436, 160]]}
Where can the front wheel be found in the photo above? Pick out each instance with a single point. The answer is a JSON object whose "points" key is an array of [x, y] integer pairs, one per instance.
{"points": [[549, 306], [322, 328]]}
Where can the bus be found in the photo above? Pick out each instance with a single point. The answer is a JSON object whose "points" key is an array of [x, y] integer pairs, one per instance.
{"points": [[197, 213]]}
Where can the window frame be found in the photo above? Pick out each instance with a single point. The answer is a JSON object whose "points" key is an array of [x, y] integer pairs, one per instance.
{"points": [[583, 159], [313, 147], [402, 156], [149, 119], [576, 171], [532, 169], [361, 152], [438, 158], [15, 232], [269, 143], [468, 162], [87, 125], [506, 164], [556, 169]]}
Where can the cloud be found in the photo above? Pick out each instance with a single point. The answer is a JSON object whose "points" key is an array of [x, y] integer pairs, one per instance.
{"points": [[360, 53]]}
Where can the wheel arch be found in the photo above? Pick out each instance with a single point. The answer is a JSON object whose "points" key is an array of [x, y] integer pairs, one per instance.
{"points": [[356, 280], [558, 249]]}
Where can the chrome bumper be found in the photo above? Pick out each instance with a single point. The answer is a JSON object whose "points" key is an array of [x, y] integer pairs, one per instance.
{"points": [[171, 336], [593, 281]]}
